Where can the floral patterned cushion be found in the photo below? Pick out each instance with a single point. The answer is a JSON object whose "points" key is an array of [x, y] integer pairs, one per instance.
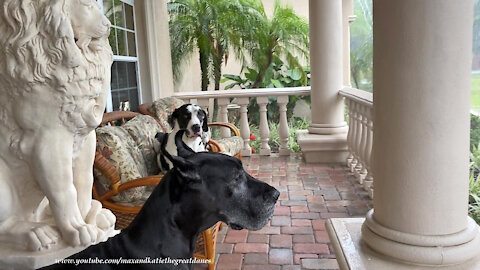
{"points": [[163, 108], [143, 129], [132, 149], [231, 146]]}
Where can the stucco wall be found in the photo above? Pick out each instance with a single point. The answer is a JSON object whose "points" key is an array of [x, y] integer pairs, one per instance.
{"points": [[156, 76]]}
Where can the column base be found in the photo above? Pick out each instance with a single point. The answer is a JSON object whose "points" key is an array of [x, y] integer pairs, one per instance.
{"points": [[353, 253], [327, 129], [316, 148]]}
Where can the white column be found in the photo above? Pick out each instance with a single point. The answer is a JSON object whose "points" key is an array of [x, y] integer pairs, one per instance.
{"points": [[347, 17], [263, 128], [326, 61], [223, 116], [283, 131], [244, 126], [422, 65], [326, 140]]}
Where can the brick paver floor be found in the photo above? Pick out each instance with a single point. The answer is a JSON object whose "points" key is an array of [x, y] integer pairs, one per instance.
{"points": [[295, 237]]}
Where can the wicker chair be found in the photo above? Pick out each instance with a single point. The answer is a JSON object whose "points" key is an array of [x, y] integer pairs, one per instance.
{"points": [[206, 242], [215, 145]]}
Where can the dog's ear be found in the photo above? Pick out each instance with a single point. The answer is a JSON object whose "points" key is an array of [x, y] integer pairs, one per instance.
{"points": [[182, 148], [160, 136], [172, 117], [205, 121], [182, 166]]}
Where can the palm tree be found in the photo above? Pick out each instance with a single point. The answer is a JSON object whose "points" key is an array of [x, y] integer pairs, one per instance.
{"points": [[361, 54], [362, 64], [190, 29], [214, 27], [285, 36]]}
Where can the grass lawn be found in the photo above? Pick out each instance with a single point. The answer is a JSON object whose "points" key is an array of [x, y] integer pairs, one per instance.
{"points": [[475, 100]]}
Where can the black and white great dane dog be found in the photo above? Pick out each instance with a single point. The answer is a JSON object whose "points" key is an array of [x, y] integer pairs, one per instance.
{"points": [[201, 189], [193, 120]]}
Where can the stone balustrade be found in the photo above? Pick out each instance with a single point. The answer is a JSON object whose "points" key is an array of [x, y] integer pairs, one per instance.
{"points": [[242, 97], [360, 135]]}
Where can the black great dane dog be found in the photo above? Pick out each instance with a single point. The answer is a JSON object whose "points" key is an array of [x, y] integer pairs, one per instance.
{"points": [[202, 189]]}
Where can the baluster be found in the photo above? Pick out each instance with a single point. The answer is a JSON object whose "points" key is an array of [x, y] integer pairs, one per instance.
{"points": [[358, 140], [354, 161], [264, 129], [204, 103], [244, 127], [350, 131], [363, 145], [223, 116], [368, 182], [283, 130]]}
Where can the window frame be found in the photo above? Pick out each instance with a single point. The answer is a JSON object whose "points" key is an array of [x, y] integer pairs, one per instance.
{"points": [[121, 58]]}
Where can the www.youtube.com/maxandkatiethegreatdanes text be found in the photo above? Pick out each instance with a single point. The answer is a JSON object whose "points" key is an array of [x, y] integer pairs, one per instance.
{"points": [[146, 260]]}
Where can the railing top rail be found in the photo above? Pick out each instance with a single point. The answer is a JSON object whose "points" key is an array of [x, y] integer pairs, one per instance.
{"points": [[258, 92], [357, 95]]}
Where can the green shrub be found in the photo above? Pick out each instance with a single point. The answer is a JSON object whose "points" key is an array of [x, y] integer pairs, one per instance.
{"points": [[475, 159], [474, 184], [274, 143], [473, 198], [474, 131], [296, 124]]}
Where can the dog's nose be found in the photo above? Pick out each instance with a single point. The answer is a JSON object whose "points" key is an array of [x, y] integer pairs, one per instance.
{"points": [[271, 194], [196, 128]]}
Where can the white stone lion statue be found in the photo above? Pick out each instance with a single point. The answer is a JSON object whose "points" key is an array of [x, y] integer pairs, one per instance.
{"points": [[54, 75]]}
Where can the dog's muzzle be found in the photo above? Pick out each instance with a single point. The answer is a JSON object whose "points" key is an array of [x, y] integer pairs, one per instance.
{"points": [[197, 131]]}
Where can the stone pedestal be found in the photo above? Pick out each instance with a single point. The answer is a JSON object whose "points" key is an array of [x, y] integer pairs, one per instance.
{"points": [[318, 148], [13, 260]]}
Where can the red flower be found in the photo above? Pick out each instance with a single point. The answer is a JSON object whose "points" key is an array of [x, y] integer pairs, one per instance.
{"points": [[252, 137], [253, 150]]}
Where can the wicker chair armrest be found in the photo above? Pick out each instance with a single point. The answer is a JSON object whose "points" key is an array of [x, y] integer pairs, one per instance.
{"points": [[108, 170], [232, 127], [215, 146], [152, 180], [110, 117], [125, 209], [143, 108]]}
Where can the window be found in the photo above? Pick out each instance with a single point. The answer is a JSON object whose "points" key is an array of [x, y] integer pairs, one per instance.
{"points": [[125, 84]]}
